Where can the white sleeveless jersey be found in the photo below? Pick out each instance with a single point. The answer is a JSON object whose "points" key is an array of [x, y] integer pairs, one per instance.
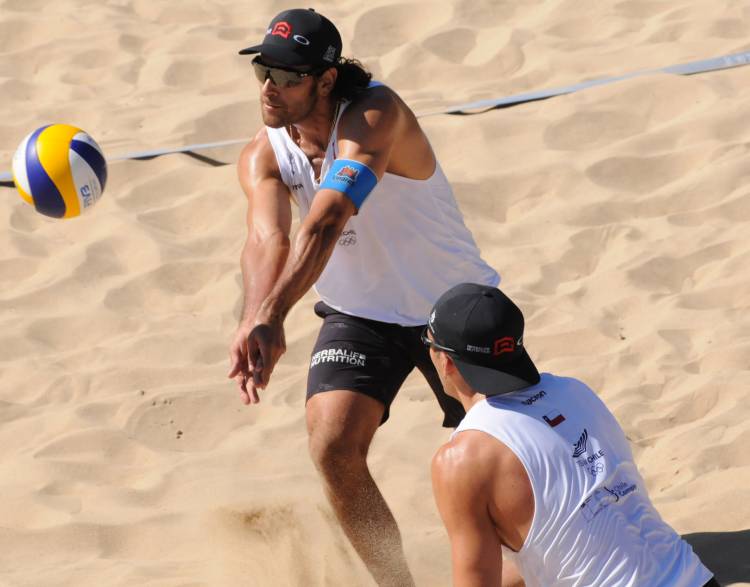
{"points": [[407, 245], [594, 523]]}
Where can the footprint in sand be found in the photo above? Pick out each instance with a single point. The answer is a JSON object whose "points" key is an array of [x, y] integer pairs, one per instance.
{"points": [[194, 421]]}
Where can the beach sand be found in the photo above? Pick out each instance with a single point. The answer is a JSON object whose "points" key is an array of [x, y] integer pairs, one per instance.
{"points": [[618, 218]]}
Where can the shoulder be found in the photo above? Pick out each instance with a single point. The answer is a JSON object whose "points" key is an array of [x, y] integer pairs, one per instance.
{"points": [[377, 108], [467, 463], [257, 159]]}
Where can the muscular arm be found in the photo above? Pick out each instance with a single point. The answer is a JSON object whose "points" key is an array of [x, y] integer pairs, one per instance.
{"points": [[269, 219], [462, 489], [266, 248], [485, 499]]}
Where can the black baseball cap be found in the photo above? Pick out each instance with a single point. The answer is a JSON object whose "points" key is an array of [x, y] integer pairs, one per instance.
{"points": [[482, 330], [299, 37]]}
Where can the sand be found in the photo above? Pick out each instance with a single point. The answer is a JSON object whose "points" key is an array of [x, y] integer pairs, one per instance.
{"points": [[618, 218]]}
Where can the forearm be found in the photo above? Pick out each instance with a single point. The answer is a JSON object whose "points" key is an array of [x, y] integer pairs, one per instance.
{"points": [[313, 247], [262, 262]]}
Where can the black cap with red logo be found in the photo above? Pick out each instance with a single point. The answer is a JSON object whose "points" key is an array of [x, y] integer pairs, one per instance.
{"points": [[482, 331], [300, 37]]}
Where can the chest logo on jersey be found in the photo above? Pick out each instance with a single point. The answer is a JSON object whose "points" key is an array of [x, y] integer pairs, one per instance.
{"points": [[534, 398], [348, 238], [553, 418], [591, 463], [602, 498], [580, 447]]}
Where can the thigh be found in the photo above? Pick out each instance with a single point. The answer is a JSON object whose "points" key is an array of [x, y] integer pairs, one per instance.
{"points": [[342, 422], [357, 355]]}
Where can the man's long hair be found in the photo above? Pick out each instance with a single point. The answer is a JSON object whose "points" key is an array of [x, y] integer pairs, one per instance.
{"points": [[352, 79]]}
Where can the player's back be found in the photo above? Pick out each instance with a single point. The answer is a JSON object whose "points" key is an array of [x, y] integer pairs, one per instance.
{"points": [[594, 523]]}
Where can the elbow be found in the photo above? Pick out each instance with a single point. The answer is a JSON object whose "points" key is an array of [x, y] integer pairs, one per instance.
{"points": [[324, 231], [332, 222]]}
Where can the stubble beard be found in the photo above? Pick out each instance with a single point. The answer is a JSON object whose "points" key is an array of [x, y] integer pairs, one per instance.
{"points": [[285, 119]]}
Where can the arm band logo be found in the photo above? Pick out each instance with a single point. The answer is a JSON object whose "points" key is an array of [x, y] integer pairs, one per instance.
{"points": [[354, 179]]}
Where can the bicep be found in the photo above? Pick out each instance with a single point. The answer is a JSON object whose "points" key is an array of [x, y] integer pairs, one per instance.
{"points": [[269, 208], [475, 546], [368, 132], [365, 140]]}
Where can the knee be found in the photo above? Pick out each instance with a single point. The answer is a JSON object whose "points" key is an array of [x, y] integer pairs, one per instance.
{"points": [[336, 456]]}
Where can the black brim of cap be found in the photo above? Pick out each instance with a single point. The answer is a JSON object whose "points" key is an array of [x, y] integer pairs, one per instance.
{"points": [[251, 50], [279, 54], [521, 373]]}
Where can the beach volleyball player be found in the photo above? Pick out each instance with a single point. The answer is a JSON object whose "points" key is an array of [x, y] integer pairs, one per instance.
{"points": [[380, 238], [539, 466]]}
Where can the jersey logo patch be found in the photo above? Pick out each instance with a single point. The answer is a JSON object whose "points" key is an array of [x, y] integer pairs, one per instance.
{"points": [[580, 446], [553, 418]]}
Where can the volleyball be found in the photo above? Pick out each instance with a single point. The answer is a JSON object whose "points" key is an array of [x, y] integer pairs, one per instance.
{"points": [[60, 170]]}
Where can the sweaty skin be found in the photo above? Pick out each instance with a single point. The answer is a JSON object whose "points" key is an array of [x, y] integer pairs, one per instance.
{"points": [[483, 494], [376, 129]]}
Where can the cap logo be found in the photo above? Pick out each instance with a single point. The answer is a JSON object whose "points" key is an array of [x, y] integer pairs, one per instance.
{"points": [[506, 344], [301, 40], [330, 53], [478, 349], [282, 29]]}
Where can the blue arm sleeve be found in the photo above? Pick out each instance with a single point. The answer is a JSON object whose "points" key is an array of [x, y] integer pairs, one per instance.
{"points": [[354, 179]]}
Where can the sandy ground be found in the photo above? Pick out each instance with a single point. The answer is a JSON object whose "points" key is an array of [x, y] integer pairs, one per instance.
{"points": [[618, 218]]}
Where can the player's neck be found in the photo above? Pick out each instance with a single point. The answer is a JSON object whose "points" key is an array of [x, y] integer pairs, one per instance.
{"points": [[317, 127], [468, 401], [460, 390]]}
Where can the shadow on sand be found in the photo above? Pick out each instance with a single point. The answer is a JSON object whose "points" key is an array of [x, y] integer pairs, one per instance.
{"points": [[727, 554]]}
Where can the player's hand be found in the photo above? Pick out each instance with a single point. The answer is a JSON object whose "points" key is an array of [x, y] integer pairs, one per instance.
{"points": [[265, 345], [239, 367]]}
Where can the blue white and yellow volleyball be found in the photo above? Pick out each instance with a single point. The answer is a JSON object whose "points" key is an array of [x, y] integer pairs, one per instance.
{"points": [[60, 170]]}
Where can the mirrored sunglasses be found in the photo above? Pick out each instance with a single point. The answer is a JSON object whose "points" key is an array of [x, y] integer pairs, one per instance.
{"points": [[283, 78]]}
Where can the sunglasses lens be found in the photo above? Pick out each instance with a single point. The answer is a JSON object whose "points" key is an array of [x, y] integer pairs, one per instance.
{"points": [[279, 77], [261, 71]]}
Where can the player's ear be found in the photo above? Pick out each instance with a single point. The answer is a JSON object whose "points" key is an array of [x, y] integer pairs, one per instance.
{"points": [[449, 365], [327, 81]]}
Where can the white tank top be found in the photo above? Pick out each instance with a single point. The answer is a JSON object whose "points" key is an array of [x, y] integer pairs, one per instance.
{"points": [[407, 245], [594, 523]]}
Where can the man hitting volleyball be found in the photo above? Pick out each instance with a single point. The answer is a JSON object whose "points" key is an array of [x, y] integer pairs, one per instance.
{"points": [[380, 238]]}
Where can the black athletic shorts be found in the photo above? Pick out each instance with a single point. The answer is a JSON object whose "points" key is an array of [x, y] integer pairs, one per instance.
{"points": [[712, 583], [373, 358]]}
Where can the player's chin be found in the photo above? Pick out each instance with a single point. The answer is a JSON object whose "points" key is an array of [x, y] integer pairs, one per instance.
{"points": [[274, 117]]}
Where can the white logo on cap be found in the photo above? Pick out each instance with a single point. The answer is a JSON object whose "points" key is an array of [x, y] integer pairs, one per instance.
{"points": [[330, 53], [432, 317], [301, 40]]}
